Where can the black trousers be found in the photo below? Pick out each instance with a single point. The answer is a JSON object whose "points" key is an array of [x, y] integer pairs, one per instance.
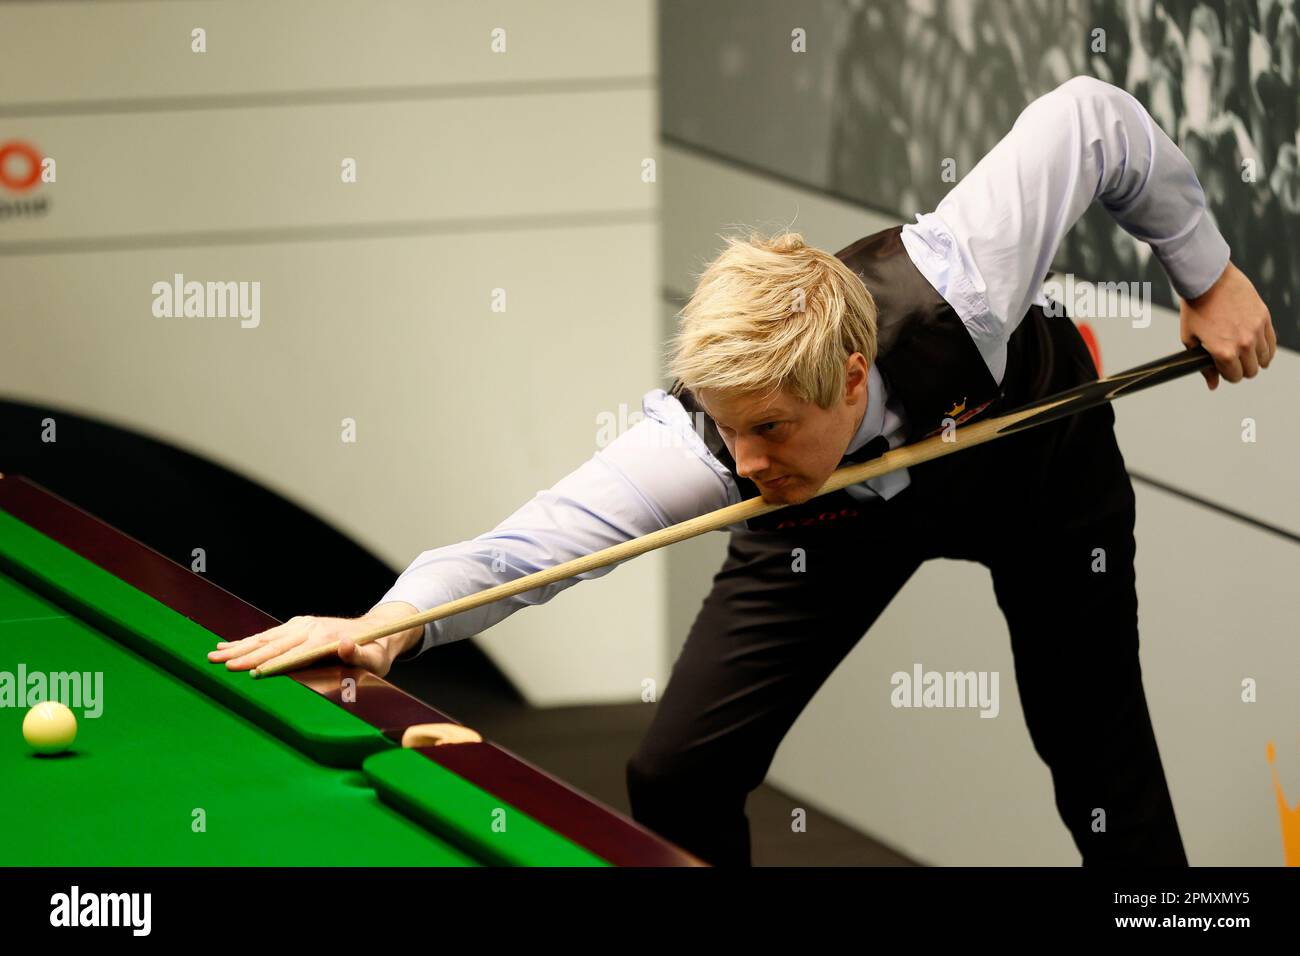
{"points": [[1034, 508]]}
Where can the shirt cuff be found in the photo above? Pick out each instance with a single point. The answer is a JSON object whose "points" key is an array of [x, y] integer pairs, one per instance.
{"points": [[1197, 261], [429, 638]]}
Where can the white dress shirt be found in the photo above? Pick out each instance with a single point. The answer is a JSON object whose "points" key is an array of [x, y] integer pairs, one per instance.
{"points": [[986, 249]]}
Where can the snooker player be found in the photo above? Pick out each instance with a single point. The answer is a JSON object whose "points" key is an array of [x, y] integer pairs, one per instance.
{"points": [[790, 362]]}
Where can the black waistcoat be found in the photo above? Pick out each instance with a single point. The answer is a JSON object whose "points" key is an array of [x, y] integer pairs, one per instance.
{"points": [[927, 357]]}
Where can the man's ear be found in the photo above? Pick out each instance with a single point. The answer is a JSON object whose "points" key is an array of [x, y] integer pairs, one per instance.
{"points": [[856, 373]]}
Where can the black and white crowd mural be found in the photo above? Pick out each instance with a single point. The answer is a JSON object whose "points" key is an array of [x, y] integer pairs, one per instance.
{"points": [[889, 89]]}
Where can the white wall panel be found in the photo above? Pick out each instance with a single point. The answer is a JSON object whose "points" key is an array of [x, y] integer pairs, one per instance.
{"points": [[142, 178], [105, 53], [478, 172]]}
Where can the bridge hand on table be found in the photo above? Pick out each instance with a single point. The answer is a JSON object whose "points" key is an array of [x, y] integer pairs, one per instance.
{"points": [[299, 633]]}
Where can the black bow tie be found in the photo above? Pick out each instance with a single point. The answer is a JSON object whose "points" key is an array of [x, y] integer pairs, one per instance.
{"points": [[872, 449]]}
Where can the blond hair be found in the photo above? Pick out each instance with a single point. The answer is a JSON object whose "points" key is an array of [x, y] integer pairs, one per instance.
{"points": [[771, 313]]}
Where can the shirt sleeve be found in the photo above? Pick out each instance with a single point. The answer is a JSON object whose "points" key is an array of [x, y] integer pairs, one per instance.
{"points": [[988, 246], [656, 473]]}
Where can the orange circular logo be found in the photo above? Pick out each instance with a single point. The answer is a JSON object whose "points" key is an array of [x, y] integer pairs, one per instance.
{"points": [[17, 155]]}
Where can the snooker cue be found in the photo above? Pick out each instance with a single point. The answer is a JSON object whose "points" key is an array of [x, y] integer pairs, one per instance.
{"points": [[1053, 407]]}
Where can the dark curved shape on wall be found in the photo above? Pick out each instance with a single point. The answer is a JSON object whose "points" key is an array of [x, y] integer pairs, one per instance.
{"points": [[885, 94], [259, 546]]}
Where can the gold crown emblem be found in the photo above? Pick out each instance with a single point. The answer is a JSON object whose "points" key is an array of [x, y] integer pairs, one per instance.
{"points": [[957, 409]]}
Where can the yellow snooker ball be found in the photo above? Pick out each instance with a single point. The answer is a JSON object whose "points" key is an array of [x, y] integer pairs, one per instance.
{"points": [[50, 727]]}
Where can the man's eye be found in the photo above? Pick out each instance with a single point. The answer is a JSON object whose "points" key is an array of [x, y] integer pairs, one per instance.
{"points": [[770, 427]]}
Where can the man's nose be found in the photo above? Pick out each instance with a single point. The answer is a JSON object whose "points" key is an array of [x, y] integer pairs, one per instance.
{"points": [[751, 457]]}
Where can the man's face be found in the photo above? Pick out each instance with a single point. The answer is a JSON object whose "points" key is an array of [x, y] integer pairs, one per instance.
{"points": [[786, 446]]}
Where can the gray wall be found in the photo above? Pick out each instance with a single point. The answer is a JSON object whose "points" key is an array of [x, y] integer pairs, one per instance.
{"points": [[478, 171]]}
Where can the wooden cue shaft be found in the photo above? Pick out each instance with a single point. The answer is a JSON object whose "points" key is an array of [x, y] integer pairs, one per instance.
{"points": [[1051, 408]]}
